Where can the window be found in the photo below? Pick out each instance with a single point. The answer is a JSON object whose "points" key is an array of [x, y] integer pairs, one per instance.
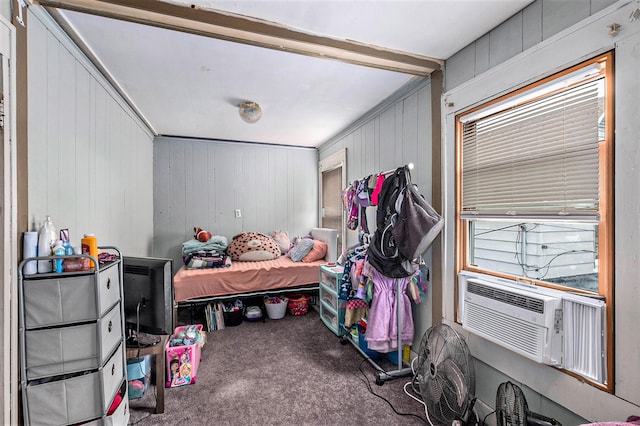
{"points": [[535, 183]]}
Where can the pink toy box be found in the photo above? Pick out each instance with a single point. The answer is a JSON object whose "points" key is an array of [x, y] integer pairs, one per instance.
{"points": [[183, 360]]}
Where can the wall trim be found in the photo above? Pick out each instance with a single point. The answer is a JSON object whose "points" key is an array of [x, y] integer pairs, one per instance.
{"points": [[196, 139]]}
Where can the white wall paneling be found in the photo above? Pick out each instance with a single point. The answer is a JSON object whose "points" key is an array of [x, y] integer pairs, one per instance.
{"points": [[539, 21], [90, 156], [395, 133], [202, 182], [560, 394]]}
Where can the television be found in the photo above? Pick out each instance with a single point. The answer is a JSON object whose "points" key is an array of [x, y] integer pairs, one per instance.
{"points": [[148, 295]]}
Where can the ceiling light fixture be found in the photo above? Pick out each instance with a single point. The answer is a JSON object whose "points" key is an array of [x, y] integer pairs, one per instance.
{"points": [[250, 112]]}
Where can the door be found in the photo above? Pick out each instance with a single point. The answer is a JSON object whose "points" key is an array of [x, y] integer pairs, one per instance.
{"points": [[332, 182], [8, 233]]}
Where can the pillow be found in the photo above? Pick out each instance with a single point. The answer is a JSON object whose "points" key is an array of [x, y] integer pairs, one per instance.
{"points": [[282, 239], [317, 252], [253, 246], [300, 250]]}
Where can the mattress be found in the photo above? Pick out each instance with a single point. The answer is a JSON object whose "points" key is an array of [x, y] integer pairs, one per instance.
{"points": [[244, 277], [250, 277]]}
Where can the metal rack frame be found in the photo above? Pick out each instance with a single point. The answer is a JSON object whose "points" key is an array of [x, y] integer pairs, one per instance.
{"points": [[383, 375], [22, 327], [403, 369]]}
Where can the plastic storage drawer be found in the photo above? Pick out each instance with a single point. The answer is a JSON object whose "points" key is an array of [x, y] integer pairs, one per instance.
{"points": [[328, 280], [64, 350], [329, 317], [329, 296], [332, 318], [63, 300], [138, 376], [76, 399]]}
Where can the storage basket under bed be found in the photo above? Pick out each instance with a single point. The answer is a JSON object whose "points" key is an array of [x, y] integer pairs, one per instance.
{"points": [[298, 304]]}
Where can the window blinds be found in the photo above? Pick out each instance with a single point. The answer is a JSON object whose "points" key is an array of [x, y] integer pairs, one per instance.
{"points": [[536, 159]]}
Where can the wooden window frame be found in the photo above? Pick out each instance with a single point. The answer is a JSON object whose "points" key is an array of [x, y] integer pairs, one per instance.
{"points": [[606, 253]]}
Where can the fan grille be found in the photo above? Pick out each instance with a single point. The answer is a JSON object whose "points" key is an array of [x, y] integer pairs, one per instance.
{"points": [[445, 374], [511, 406]]}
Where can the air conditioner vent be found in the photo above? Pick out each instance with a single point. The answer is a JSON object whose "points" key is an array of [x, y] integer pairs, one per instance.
{"points": [[514, 299], [136, 269]]}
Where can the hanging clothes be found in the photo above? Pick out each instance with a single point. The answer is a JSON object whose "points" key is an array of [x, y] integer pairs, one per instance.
{"points": [[349, 258], [355, 310], [382, 328], [350, 204], [377, 188]]}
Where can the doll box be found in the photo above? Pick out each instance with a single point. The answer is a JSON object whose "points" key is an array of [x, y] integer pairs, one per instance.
{"points": [[182, 362]]}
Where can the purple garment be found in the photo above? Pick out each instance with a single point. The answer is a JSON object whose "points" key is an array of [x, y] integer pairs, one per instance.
{"points": [[382, 326]]}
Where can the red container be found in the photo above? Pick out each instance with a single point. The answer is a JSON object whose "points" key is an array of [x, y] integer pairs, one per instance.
{"points": [[298, 304]]}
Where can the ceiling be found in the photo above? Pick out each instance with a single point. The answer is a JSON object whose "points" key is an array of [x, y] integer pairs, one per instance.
{"points": [[183, 81]]}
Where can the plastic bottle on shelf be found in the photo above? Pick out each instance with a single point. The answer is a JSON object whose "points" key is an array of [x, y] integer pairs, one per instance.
{"points": [[30, 249], [68, 248], [46, 237], [90, 246], [58, 250], [64, 236]]}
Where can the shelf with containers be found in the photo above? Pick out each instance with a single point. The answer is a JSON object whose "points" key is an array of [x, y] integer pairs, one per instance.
{"points": [[332, 308], [72, 346]]}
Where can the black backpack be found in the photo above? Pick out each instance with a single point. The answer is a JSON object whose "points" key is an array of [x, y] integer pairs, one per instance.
{"points": [[406, 226], [383, 251]]}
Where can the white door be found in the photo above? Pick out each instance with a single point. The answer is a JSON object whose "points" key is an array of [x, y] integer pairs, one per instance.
{"points": [[332, 181], [8, 213]]}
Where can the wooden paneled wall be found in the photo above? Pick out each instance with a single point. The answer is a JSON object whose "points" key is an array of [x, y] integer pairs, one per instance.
{"points": [[90, 157], [535, 23], [395, 133], [555, 43], [202, 183]]}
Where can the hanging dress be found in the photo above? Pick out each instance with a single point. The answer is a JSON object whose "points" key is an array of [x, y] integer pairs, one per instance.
{"points": [[382, 327]]}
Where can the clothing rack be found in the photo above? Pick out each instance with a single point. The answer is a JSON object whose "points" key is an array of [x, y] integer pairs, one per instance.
{"points": [[383, 375], [388, 172]]}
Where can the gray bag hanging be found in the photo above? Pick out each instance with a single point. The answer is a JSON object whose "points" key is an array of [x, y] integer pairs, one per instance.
{"points": [[417, 224]]}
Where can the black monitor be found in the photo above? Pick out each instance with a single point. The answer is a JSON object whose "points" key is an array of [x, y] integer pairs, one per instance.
{"points": [[148, 295]]}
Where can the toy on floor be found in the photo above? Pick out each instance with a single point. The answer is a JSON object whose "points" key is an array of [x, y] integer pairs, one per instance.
{"points": [[189, 335], [136, 388]]}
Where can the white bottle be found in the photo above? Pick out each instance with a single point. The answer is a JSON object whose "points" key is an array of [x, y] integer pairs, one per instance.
{"points": [[30, 249], [46, 237]]}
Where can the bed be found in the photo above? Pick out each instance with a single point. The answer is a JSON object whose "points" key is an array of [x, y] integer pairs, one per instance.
{"points": [[194, 286]]}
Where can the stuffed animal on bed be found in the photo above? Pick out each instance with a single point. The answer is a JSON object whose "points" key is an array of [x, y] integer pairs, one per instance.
{"points": [[201, 235], [253, 246]]}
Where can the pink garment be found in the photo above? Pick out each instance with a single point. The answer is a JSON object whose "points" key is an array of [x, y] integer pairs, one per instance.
{"points": [[382, 326], [376, 191]]}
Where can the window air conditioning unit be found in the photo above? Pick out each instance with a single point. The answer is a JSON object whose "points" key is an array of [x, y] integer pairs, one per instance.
{"points": [[515, 316]]}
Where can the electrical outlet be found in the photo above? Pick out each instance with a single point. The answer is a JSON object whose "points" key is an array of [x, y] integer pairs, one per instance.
{"points": [[238, 213]]}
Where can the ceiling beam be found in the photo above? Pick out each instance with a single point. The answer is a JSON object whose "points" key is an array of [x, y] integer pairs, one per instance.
{"points": [[252, 31]]}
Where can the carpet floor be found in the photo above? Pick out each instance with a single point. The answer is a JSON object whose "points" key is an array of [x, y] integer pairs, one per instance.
{"points": [[291, 371]]}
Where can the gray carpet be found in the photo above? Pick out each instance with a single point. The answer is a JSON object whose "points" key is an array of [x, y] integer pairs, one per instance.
{"points": [[292, 371]]}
